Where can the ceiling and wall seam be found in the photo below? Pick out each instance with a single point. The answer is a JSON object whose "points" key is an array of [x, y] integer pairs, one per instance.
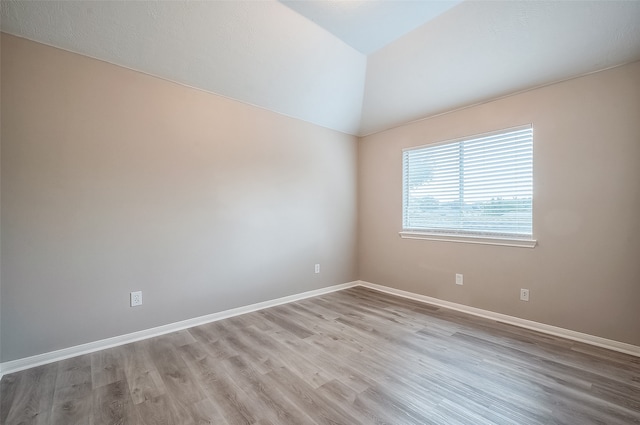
{"points": [[357, 134], [185, 85], [267, 54], [450, 111]]}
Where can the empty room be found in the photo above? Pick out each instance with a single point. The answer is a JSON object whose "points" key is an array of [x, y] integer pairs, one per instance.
{"points": [[320, 212]]}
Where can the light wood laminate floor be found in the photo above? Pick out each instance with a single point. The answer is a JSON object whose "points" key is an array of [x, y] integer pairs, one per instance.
{"points": [[351, 357]]}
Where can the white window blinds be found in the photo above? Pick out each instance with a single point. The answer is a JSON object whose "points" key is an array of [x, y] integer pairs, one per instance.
{"points": [[477, 186]]}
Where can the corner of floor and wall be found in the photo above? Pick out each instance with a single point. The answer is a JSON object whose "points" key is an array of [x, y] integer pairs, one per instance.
{"points": [[115, 181]]}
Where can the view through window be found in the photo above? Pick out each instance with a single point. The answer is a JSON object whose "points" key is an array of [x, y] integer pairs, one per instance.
{"points": [[476, 186]]}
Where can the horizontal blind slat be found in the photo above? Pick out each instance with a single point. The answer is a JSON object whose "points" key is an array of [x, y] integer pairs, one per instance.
{"points": [[480, 185]]}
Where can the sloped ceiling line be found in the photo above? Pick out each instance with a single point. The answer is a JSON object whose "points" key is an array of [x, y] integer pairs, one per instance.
{"points": [[307, 59]]}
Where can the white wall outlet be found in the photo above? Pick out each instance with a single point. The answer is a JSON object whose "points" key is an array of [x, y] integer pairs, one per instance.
{"points": [[317, 269], [136, 298], [459, 280], [524, 294]]}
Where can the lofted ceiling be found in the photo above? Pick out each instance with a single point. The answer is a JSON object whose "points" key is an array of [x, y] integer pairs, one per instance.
{"points": [[368, 25], [354, 66]]}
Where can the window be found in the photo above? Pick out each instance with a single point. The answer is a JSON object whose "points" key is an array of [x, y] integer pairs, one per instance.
{"points": [[477, 189]]}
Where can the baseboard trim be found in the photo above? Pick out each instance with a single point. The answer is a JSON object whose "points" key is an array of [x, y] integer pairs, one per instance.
{"points": [[65, 353], [597, 341]]}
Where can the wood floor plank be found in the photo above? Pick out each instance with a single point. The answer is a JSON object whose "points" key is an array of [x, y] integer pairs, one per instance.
{"points": [[178, 379], [316, 406], [304, 367], [338, 392], [325, 361], [163, 410], [107, 366], [145, 385], [33, 398], [314, 311], [112, 404], [285, 323], [74, 379], [356, 356], [277, 408], [72, 412], [392, 406], [207, 412], [259, 356], [8, 390], [233, 403]]}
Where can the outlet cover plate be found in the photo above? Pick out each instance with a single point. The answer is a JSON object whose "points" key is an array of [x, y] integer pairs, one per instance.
{"points": [[136, 298], [524, 294]]}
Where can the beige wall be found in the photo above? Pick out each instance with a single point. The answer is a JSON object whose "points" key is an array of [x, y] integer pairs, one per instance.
{"points": [[585, 273], [114, 181]]}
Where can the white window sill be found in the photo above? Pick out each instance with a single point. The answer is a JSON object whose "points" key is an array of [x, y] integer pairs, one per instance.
{"points": [[484, 240]]}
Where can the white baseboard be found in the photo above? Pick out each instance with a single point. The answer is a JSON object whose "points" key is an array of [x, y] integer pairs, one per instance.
{"points": [[65, 353], [54, 356], [621, 347]]}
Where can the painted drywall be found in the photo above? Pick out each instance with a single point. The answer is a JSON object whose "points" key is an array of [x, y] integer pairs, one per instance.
{"points": [[114, 181], [260, 52], [367, 25], [584, 275], [264, 53], [480, 50]]}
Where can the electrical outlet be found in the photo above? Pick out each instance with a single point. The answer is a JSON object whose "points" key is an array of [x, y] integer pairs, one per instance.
{"points": [[136, 298], [317, 269], [459, 280], [524, 295]]}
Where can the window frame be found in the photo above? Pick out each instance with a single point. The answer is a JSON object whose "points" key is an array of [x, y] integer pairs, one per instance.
{"points": [[467, 236]]}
